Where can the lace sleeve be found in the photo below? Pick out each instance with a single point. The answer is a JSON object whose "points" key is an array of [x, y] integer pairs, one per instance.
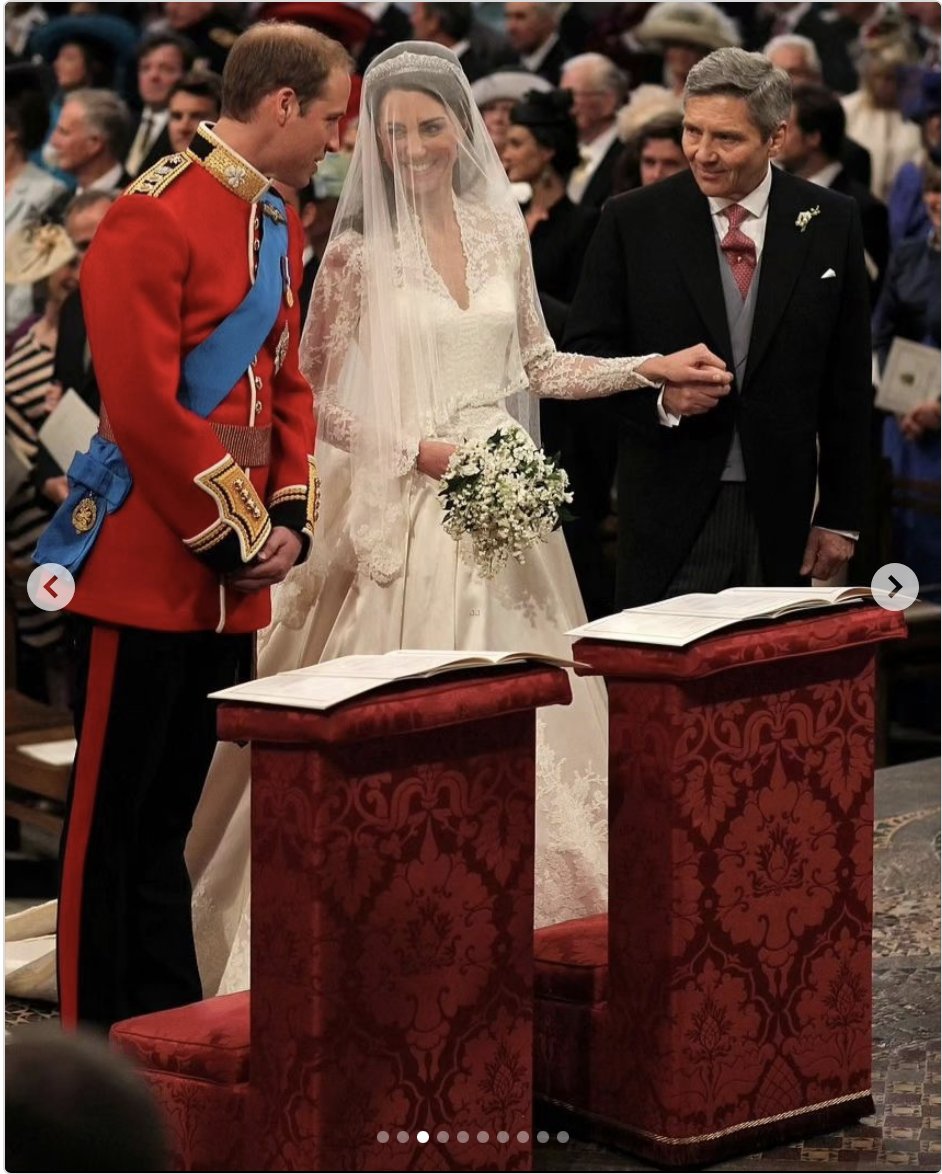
{"points": [[330, 332], [555, 375]]}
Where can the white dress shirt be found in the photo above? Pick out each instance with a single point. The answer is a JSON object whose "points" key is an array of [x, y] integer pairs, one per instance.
{"points": [[534, 60], [827, 175], [592, 155], [757, 205], [108, 182]]}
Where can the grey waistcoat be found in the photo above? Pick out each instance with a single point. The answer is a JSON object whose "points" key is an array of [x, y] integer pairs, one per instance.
{"points": [[739, 316]]}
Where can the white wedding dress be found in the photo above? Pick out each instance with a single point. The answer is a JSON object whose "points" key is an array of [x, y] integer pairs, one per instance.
{"points": [[438, 600]]}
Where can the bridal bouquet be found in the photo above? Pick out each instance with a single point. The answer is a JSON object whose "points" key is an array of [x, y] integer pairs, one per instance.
{"points": [[505, 495]]}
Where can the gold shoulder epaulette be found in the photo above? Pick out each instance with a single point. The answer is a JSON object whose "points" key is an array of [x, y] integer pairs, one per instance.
{"points": [[158, 178]]}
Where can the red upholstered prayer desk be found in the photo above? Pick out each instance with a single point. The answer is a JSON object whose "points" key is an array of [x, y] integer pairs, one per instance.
{"points": [[725, 1004], [392, 934]]}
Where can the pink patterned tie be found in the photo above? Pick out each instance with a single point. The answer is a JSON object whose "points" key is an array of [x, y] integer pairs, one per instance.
{"points": [[739, 250]]}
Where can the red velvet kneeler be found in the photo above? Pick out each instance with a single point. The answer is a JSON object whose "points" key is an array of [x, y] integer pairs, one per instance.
{"points": [[392, 930], [196, 1060], [725, 1004]]}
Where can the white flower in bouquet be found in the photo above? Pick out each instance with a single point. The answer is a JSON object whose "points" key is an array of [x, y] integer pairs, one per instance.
{"points": [[504, 495]]}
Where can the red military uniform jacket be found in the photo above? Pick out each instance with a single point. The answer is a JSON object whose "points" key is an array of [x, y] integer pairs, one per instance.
{"points": [[174, 257]]}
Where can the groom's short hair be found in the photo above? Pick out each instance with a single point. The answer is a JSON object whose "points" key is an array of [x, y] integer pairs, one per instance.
{"points": [[274, 54]]}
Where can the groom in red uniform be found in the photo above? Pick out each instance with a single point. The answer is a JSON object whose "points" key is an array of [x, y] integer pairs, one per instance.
{"points": [[198, 493]]}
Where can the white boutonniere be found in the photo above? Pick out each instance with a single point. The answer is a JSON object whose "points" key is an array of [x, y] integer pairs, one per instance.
{"points": [[804, 218]]}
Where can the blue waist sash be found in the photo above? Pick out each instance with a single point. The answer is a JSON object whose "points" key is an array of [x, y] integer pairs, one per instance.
{"points": [[99, 479]]}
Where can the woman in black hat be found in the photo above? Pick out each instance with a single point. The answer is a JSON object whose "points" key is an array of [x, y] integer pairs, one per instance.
{"points": [[541, 150]]}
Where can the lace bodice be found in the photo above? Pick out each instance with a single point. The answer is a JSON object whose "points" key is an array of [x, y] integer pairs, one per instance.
{"points": [[482, 355]]}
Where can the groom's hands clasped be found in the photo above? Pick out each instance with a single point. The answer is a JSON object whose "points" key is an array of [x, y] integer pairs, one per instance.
{"points": [[695, 380], [274, 561]]}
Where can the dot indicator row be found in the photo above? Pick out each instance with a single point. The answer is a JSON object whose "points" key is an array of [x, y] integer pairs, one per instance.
{"points": [[463, 1137]]}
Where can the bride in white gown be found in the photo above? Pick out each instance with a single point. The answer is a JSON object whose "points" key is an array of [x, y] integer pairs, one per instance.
{"points": [[425, 330]]}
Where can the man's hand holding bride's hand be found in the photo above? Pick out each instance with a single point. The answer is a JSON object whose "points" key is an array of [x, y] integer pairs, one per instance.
{"points": [[433, 457], [695, 379], [274, 561]]}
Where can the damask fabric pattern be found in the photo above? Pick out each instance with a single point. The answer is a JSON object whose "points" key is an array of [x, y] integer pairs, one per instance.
{"points": [[392, 959], [196, 1061], [392, 962], [738, 1003]]}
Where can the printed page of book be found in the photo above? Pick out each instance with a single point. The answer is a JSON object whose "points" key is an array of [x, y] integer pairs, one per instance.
{"points": [[298, 691], [68, 429], [669, 629], [911, 376], [765, 600]]}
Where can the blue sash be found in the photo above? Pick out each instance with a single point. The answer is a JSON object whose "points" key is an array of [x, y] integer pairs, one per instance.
{"points": [[99, 480]]}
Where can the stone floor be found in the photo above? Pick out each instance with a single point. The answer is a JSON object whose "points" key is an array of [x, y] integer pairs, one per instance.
{"points": [[904, 1133]]}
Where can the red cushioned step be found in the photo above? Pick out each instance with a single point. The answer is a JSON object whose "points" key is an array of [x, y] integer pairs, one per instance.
{"points": [[572, 960], [203, 1041]]}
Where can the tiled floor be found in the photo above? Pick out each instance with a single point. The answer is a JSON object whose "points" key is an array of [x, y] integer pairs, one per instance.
{"points": [[904, 1133]]}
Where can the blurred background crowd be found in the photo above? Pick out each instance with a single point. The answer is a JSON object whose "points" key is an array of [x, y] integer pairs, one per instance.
{"points": [[582, 101]]}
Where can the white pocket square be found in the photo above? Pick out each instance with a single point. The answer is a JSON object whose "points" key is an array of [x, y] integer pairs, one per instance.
{"points": [[828, 273]]}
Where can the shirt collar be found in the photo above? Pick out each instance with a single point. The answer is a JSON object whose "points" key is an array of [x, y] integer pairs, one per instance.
{"points": [[105, 183], [599, 146], [756, 203], [827, 175], [534, 60], [227, 166]]}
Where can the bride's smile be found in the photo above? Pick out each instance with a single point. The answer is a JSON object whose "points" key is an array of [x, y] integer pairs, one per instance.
{"points": [[419, 141]]}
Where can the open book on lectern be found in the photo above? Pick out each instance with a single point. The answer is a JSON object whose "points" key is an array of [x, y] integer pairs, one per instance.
{"points": [[677, 622], [322, 685]]}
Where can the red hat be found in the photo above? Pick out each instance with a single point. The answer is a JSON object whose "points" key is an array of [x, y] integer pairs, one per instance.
{"points": [[345, 23]]}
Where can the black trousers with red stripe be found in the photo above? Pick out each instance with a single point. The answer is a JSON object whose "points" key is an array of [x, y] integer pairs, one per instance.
{"points": [[146, 738]]}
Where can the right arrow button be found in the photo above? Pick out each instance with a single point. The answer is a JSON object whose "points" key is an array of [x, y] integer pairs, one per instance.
{"points": [[895, 586]]}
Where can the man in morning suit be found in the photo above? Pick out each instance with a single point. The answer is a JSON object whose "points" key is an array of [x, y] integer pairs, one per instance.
{"points": [[768, 270], [197, 494]]}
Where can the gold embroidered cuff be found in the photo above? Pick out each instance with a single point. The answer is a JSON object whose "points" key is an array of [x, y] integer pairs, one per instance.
{"points": [[288, 493], [208, 538], [240, 508]]}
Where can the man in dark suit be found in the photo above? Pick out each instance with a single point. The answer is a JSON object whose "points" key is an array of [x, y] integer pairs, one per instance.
{"points": [[767, 270], [599, 90], [812, 149], [479, 49], [799, 58], [533, 31], [162, 60]]}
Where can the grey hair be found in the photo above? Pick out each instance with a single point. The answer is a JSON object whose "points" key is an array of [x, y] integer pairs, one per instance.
{"points": [[608, 75], [735, 73], [88, 199], [107, 115], [794, 41]]}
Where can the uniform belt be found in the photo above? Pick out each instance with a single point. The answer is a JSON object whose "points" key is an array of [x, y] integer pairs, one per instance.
{"points": [[248, 447]]}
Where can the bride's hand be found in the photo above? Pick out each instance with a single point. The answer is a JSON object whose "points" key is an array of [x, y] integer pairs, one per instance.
{"points": [[696, 364], [433, 457]]}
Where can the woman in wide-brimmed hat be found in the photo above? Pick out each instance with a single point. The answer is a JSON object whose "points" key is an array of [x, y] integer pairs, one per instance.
{"points": [[496, 95], [41, 257], [30, 191], [685, 33]]}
